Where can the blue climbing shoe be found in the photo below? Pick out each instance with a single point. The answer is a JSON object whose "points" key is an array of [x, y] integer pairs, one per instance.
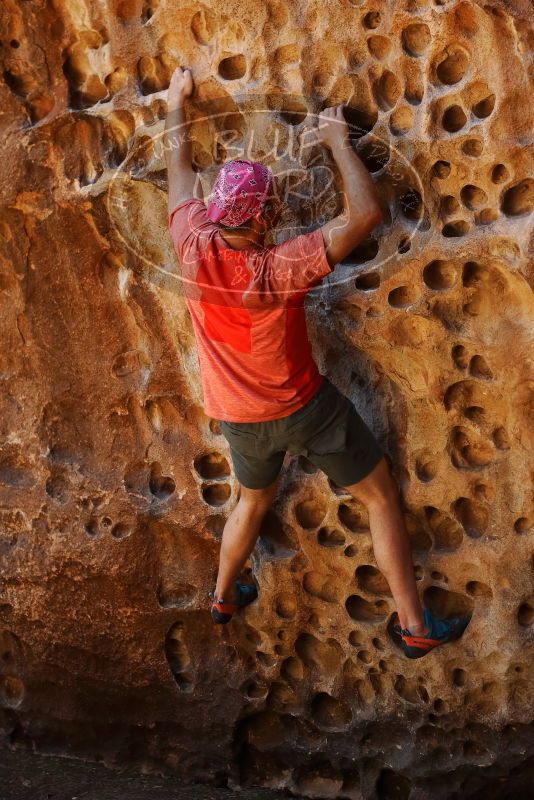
{"points": [[441, 631], [222, 612]]}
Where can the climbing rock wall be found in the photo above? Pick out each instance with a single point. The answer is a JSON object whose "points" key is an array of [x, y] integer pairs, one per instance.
{"points": [[114, 484]]}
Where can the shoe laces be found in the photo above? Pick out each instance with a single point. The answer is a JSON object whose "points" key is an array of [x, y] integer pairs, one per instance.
{"points": [[211, 596], [401, 631]]}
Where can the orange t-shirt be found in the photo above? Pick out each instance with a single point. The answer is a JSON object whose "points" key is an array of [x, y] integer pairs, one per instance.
{"points": [[247, 308]]}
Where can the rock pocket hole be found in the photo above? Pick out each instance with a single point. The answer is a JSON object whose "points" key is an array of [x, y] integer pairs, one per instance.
{"points": [[178, 657], [291, 108], [203, 26], [359, 120], [329, 713], [279, 540], [522, 525], [372, 20], [459, 677], [460, 356], [478, 589], [286, 606], [379, 46], [473, 147], [120, 530], [365, 251], [212, 466], [161, 486], [446, 604], [362, 610], [321, 586], [411, 205], [371, 580], [323, 656], [486, 216], [500, 438], [525, 614], [473, 196], [91, 527], [12, 691], [401, 120], [330, 537], [499, 173], [374, 155], [292, 670], [479, 368], [449, 204], [404, 245], [441, 169], [474, 274], [216, 494], [416, 38], [426, 468], [519, 199], [455, 229], [454, 119], [484, 107], [453, 67], [353, 517], [387, 90], [473, 517], [310, 513], [440, 275], [393, 786], [295, 115], [232, 68], [368, 282], [403, 296], [446, 531]]}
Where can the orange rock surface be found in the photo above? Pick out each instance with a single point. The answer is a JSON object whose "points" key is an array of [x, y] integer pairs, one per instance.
{"points": [[114, 485]]}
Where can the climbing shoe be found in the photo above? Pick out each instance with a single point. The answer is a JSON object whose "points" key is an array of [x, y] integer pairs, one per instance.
{"points": [[222, 612], [441, 631]]}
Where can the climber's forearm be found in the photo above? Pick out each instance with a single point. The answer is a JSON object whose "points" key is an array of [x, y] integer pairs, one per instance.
{"points": [[361, 210], [176, 137], [360, 196], [183, 182]]}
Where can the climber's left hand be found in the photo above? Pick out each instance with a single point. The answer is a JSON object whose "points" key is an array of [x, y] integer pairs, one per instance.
{"points": [[181, 85]]}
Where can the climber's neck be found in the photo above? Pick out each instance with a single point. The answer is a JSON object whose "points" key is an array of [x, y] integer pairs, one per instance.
{"points": [[242, 241], [250, 236]]}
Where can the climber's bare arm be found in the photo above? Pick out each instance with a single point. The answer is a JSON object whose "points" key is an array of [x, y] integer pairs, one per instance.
{"points": [[361, 211], [182, 180]]}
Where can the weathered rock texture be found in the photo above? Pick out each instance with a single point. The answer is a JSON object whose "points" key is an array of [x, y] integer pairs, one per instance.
{"points": [[115, 485]]}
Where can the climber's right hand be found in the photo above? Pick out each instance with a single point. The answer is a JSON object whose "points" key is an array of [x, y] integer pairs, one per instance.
{"points": [[332, 129]]}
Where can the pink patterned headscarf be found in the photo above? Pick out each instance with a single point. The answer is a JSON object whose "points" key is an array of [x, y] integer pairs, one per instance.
{"points": [[239, 192]]}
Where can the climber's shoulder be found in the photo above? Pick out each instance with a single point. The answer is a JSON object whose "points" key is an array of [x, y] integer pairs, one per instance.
{"points": [[188, 223]]}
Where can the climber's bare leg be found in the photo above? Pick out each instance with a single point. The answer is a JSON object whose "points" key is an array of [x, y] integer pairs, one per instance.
{"points": [[380, 494], [239, 536]]}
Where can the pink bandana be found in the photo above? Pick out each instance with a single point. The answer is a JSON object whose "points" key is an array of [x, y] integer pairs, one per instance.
{"points": [[240, 191]]}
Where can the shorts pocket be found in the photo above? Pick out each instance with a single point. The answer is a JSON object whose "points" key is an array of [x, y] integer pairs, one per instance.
{"points": [[306, 412], [333, 437], [242, 440]]}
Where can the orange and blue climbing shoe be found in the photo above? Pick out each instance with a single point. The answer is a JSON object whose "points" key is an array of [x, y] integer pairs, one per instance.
{"points": [[441, 631], [222, 612]]}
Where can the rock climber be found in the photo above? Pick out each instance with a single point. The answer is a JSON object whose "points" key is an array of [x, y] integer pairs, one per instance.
{"points": [[258, 375]]}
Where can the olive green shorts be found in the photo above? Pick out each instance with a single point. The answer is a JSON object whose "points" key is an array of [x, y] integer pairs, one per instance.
{"points": [[328, 430]]}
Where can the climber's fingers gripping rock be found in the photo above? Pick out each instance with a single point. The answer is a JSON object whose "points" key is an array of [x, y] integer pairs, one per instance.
{"points": [[332, 128], [181, 85]]}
